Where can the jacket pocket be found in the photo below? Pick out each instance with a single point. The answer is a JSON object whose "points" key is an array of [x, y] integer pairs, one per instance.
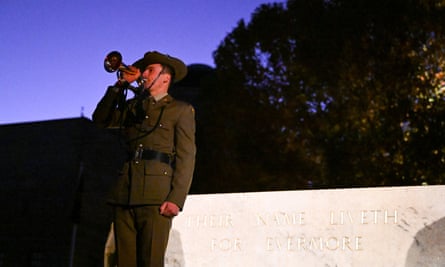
{"points": [[157, 181]]}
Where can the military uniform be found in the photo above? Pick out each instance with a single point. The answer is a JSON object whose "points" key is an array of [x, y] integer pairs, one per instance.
{"points": [[152, 181], [160, 141]]}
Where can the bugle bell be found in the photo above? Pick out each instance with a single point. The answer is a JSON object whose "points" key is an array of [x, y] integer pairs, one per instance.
{"points": [[113, 62]]}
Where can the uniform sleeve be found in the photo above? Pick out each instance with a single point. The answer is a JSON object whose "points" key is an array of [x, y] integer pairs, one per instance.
{"points": [[106, 114], [185, 156]]}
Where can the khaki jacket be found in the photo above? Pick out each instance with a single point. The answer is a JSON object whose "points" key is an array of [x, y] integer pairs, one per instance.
{"points": [[141, 124]]}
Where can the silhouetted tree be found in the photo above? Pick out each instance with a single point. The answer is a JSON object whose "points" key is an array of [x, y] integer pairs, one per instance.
{"points": [[330, 94]]}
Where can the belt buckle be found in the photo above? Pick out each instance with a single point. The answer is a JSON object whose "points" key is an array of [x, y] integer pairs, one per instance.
{"points": [[138, 154]]}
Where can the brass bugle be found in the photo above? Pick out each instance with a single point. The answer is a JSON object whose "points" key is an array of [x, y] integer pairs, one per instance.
{"points": [[113, 62]]}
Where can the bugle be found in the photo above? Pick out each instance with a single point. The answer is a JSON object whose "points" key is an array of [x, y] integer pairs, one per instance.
{"points": [[113, 62]]}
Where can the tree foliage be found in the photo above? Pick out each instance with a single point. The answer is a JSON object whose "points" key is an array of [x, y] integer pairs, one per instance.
{"points": [[339, 93]]}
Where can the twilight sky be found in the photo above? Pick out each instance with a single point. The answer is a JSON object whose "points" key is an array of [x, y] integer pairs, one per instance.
{"points": [[52, 51]]}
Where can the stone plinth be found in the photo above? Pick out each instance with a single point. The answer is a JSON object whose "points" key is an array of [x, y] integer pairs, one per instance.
{"points": [[388, 226]]}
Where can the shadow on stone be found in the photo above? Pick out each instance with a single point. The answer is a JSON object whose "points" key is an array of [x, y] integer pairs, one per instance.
{"points": [[175, 255], [428, 247]]}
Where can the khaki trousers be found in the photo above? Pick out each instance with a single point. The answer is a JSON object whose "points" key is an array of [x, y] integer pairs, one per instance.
{"points": [[141, 235]]}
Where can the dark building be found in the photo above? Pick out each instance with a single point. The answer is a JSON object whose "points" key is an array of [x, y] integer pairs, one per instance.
{"points": [[55, 177]]}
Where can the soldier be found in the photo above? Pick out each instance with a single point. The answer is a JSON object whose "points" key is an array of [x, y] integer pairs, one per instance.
{"points": [[159, 133]]}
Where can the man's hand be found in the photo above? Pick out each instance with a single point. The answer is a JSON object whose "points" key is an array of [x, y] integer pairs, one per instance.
{"points": [[169, 209], [131, 74]]}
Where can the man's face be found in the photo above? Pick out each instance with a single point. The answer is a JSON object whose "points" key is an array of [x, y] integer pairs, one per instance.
{"points": [[158, 86]]}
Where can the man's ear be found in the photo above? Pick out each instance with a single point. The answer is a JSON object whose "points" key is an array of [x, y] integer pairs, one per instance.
{"points": [[167, 79]]}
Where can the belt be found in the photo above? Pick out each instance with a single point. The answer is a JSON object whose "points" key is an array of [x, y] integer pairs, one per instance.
{"points": [[143, 154]]}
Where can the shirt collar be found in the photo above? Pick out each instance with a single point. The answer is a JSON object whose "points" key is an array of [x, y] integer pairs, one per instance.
{"points": [[159, 97]]}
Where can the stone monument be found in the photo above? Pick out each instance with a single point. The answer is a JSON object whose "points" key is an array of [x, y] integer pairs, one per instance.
{"points": [[386, 226]]}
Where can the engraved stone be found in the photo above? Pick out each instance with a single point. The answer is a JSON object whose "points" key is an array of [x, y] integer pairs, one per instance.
{"points": [[386, 226]]}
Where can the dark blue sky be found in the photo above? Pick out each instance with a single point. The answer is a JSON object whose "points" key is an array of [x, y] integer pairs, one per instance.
{"points": [[52, 51]]}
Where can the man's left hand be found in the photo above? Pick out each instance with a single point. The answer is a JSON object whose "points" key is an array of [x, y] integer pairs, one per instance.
{"points": [[169, 209]]}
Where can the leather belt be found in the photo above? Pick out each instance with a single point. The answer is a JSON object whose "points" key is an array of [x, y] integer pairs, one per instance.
{"points": [[147, 154]]}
